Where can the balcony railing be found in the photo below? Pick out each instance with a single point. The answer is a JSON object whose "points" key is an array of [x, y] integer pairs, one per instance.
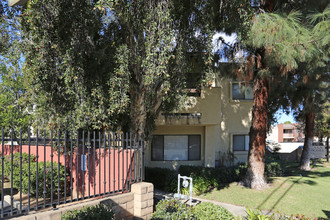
{"points": [[288, 135]]}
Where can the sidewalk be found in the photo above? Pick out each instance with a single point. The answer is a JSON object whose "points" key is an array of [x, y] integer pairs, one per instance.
{"points": [[238, 211]]}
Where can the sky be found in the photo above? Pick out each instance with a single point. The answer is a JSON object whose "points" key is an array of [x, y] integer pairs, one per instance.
{"points": [[284, 117]]}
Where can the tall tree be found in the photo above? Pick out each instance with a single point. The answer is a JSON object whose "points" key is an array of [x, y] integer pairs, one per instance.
{"points": [[110, 63], [14, 106], [277, 41], [317, 80], [67, 61], [310, 85]]}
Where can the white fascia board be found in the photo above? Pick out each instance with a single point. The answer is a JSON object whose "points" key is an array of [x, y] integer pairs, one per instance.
{"points": [[12, 3]]}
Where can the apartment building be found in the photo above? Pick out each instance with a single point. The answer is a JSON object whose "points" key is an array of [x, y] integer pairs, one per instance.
{"points": [[211, 130], [286, 133]]}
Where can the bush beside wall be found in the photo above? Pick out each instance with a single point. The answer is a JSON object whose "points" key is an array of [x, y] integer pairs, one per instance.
{"points": [[57, 177], [97, 212], [205, 178], [162, 178], [174, 209], [209, 211]]}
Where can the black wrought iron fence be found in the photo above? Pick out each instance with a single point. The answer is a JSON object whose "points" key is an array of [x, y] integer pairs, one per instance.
{"points": [[51, 168]]}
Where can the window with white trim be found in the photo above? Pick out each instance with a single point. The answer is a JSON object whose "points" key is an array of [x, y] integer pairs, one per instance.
{"points": [[241, 142], [241, 91], [175, 147]]}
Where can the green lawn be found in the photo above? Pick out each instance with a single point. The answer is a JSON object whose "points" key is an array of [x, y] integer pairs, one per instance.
{"points": [[305, 193]]}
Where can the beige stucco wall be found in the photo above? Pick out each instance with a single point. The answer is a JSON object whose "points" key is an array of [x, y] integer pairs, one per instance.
{"points": [[221, 118], [207, 104], [236, 119]]}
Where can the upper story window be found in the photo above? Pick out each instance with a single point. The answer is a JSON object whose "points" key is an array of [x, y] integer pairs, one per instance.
{"points": [[241, 91], [241, 142], [287, 131]]}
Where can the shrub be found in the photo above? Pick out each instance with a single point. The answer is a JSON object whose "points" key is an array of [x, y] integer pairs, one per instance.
{"points": [[205, 178], [209, 211], [172, 209], [33, 174], [162, 178], [59, 180], [240, 171], [256, 215], [273, 169], [92, 212], [16, 163]]}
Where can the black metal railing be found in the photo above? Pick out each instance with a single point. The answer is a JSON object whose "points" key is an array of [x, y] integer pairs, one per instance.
{"points": [[50, 168]]}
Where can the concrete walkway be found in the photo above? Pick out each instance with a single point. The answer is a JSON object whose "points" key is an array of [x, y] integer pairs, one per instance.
{"points": [[238, 211], [234, 209]]}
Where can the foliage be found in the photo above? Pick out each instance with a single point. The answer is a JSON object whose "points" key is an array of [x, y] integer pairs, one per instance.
{"points": [[282, 48], [112, 63], [29, 175], [209, 211], [322, 122], [205, 178], [172, 209], [162, 178], [98, 212], [14, 106], [59, 179], [273, 169], [67, 63], [13, 112], [258, 215], [16, 163]]}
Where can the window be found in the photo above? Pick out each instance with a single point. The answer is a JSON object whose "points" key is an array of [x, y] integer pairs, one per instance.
{"points": [[287, 131], [241, 142], [241, 91], [176, 147]]}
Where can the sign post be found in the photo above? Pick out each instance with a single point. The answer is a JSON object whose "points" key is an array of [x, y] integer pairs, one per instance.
{"points": [[185, 184]]}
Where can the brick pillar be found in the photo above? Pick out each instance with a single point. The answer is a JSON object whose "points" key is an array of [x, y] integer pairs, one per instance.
{"points": [[143, 200]]}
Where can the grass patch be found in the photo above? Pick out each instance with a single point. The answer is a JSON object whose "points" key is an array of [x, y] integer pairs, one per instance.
{"points": [[299, 192]]}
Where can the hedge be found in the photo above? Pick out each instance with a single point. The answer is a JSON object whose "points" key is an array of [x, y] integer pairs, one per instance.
{"points": [[204, 178]]}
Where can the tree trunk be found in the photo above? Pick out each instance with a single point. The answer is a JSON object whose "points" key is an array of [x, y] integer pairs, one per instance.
{"points": [[256, 159], [138, 112], [327, 147], [309, 133], [139, 121]]}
